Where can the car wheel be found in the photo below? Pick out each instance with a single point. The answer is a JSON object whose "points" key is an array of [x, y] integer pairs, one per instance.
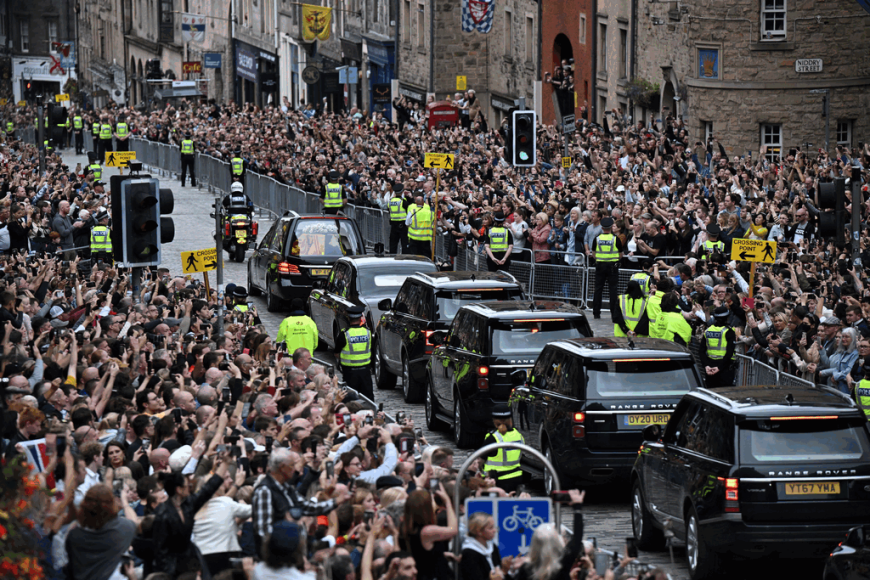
{"points": [[432, 422], [384, 379], [410, 389], [703, 562], [252, 290], [239, 254], [648, 536], [273, 304], [549, 480], [461, 436]]}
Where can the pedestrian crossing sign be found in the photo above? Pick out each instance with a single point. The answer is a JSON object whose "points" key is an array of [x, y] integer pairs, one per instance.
{"points": [[566, 163], [199, 260], [61, 98], [119, 158], [438, 161]]}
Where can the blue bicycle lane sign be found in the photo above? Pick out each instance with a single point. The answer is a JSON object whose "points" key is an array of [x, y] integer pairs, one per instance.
{"points": [[516, 520]]}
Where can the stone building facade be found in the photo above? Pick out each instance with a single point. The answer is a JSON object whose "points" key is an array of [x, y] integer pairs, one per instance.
{"points": [[612, 55], [500, 66], [745, 71], [566, 32]]}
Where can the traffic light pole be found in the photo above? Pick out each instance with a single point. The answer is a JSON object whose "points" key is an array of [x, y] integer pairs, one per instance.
{"points": [[219, 244], [40, 139]]}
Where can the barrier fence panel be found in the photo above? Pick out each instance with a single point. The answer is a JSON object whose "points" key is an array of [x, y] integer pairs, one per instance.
{"points": [[559, 281], [765, 375], [745, 367], [787, 380]]}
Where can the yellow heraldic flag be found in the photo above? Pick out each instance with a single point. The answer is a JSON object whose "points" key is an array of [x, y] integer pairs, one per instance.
{"points": [[316, 21]]}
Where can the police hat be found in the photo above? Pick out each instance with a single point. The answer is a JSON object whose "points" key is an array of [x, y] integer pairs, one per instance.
{"points": [[333, 175], [498, 216], [501, 411], [240, 292], [356, 311], [607, 222], [398, 187], [714, 230], [721, 312], [102, 215]]}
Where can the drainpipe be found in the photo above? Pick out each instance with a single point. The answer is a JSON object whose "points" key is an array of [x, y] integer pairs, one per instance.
{"points": [[431, 48], [593, 94], [633, 69]]}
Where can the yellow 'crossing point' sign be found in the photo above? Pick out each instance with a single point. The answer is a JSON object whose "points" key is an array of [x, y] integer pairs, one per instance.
{"points": [[199, 260], [753, 250], [119, 158], [438, 161]]}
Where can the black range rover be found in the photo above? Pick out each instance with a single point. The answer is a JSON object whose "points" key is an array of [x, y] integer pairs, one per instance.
{"points": [[754, 471], [475, 360], [587, 399]]}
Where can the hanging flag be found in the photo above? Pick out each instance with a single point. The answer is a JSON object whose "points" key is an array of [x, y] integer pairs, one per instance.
{"points": [[477, 15], [192, 27], [37, 455], [316, 22]]}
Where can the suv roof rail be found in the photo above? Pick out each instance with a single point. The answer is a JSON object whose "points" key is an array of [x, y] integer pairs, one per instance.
{"points": [[837, 392], [716, 396]]}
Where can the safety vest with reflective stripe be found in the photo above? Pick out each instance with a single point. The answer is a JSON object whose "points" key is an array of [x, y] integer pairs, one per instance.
{"points": [[605, 248], [421, 224], [357, 351], [397, 210], [187, 147], [643, 280], [498, 239], [715, 337], [238, 165], [105, 131], [98, 171], [862, 396], [95, 129], [632, 311], [506, 462], [710, 247], [333, 195], [654, 312], [101, 239], [77, 122], [676, 324], [10, 127], [122, 130]]}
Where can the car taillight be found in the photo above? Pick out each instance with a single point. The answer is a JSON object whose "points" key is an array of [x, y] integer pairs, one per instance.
{"points": [[227, 229], [254, 228], [287, 268], [429, 346], [578, 430], [732, 495], [483, 378]]}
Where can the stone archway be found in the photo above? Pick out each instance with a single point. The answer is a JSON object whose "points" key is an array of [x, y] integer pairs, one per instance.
{"points": [[668, 105]]}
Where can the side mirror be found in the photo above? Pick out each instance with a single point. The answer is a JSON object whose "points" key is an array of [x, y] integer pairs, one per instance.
{"points": [[319, 284], [437, 338], [855, 538], [519, 378], [652, 432], [385, 304]]}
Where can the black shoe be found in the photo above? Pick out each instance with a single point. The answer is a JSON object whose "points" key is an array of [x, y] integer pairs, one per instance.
{"points": [[596, 316]]}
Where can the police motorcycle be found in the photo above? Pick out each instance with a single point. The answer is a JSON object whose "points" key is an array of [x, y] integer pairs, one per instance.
{"points": [[240, 230]]}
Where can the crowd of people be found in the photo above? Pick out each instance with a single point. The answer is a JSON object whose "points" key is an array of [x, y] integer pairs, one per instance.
{"points": [[171, 452]]}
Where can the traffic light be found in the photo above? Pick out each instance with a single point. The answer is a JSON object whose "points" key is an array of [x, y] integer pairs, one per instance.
{"points": [[832, 196], [138, 228], [523, 137]]}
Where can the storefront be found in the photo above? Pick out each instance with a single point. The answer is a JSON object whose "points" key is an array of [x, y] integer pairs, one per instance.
{"points": [[257, 71], [44, 75], [351, 57], [381, 59]]}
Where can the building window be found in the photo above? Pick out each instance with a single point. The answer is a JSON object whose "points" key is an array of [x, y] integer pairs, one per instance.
{"points": [[421, 12], [602, 48], [406, 22], [771, 141], [508, 33], [24, 29], [376, 10], [52, 34], [623, 53], [772, 19], [102, 46], [530, 39], [844, 133], [582, 29], [602, 107], [708, 131]]}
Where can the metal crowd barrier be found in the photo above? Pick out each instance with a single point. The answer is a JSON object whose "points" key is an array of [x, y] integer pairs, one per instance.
{"points": [[753, 372]]}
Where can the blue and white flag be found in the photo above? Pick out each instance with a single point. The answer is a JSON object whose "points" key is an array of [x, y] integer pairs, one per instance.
{"points": [[477, 15], [192, 27]]}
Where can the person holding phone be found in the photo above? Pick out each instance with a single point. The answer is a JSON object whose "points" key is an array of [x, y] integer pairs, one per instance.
{"points": [[423, 537], [548, 550]]}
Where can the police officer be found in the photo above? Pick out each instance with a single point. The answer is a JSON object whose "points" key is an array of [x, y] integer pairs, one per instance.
{"points": [[240, 305], [101, 239], [862, 390], [187, 159], [10, 128], [643, 277], [238, 201], [607, 249], [298, 330], [333, 194], [122, 133], [499, 245], [95, 134], [238, 167], [629, 314], [717, 350], [79, 133], [398, 205], [503, 464], [713, 243], [420, 221], [672, 323], [97, 169], [353, 348], [105, 138]]}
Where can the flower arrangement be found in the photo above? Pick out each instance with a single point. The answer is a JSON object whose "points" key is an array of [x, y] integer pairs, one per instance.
{"points": [[20, 558]]}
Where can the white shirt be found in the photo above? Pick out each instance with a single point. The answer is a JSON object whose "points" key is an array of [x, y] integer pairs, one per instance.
{"points": [[214, 526], [92, 478]]}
